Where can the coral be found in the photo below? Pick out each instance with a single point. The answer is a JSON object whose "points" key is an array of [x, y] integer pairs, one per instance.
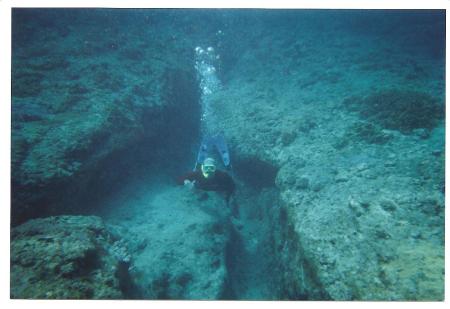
{"points": [[364, 222], [363, 131], [400, 110], [66, 257]]}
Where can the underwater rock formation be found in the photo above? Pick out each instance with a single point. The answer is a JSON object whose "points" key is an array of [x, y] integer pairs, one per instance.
{"points": [[77, 107], [67, 257], [363, 201], [344, 127], [399, 110], [178, 240], [360, 226]]}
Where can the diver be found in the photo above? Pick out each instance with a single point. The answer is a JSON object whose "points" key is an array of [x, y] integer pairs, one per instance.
{"points": [[209, 178], [206, 176]]}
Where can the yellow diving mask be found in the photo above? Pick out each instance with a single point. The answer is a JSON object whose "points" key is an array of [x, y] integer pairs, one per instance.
{"points": [[208, 168]]}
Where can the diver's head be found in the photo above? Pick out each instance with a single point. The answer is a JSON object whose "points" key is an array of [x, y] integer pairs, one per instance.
{"points": [[208, 167]]}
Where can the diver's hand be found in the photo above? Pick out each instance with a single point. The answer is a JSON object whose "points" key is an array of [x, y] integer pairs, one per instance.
{"points": [[189, 184]]}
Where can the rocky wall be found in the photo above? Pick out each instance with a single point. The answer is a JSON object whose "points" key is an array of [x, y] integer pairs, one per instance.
{"points": [[68, 257], [83, 101], [362, 193], [175, 248], [361, 209]]}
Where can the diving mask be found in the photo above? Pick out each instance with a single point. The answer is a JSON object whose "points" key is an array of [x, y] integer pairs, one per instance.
{"points": [[207, 170]]}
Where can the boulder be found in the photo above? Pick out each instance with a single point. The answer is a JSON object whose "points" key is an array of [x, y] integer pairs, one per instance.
{"points": [[67, 257]]}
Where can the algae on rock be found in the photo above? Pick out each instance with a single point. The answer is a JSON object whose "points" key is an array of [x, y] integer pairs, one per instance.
{"points": [[66, 257], [178, 238], [78, 100], [354, 192]]}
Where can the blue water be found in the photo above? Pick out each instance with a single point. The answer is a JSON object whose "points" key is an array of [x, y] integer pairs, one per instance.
{"points": [[109, 107]]}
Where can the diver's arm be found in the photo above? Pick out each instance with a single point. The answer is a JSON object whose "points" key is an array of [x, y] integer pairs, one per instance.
{"points": [[191, 176]]}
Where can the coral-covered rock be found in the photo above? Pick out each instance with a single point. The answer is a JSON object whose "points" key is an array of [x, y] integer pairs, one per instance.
{"points": [[399, 109], [353, 191], [73, 113], [361, 209], [66, 257], [178, 239]]}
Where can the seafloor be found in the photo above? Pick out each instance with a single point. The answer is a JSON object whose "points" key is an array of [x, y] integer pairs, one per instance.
{"points": [[335, 123]]}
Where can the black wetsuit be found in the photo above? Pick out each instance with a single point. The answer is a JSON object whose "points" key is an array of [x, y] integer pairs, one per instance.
{"points": [[220, 181]]}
